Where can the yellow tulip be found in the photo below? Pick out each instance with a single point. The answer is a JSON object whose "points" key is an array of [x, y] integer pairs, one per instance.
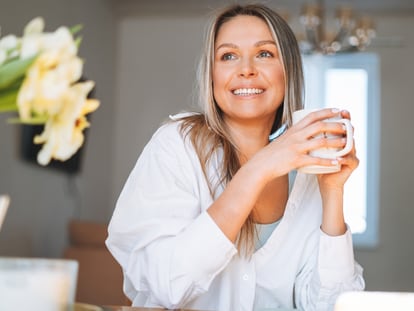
{"points": [[47, 81], [63, 133], [50, 92]]}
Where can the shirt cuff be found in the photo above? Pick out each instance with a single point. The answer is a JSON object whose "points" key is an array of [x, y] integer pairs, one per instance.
{"points": [[336, 258]]}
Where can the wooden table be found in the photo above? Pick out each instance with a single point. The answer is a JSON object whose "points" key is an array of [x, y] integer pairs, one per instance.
{"points": [[88, 307], [126, 308], [123, 308]]}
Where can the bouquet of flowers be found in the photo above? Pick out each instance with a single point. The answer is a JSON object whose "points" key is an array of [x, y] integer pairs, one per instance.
{"points": [[40, 80]]}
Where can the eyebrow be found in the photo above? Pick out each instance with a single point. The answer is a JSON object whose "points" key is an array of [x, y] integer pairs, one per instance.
{"points": [[234, 46], [264, 42]]}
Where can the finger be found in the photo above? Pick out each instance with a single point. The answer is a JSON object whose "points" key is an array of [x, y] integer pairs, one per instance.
{"points": [[326, 128], [307, 160], [350, 161], [323, 142], [318, 115], [346, 114]]}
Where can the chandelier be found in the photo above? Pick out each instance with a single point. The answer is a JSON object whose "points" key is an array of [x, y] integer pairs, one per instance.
{"points": [[351, 33]]}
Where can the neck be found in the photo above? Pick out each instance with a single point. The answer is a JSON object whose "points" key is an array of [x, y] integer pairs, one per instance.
{"points": [[271, 204], [249, 138]]}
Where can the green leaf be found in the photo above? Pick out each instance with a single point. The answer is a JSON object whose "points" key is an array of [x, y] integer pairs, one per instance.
{"points": [[39, 120], [78, 41], [8, 100], [8, 104], [11, 59], [8, 97], [13, 71], [75, 29]]}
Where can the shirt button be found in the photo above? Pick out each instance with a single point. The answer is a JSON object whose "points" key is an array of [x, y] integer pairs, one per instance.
{"points": [[245, 277]]}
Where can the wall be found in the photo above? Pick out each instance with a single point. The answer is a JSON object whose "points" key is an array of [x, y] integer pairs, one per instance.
{"points": [[44, 200], [154, 46], [390, 265], [155, 77], [158, 45]]}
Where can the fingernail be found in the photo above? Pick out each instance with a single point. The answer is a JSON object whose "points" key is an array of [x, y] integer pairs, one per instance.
{"points": [[335, 162], [335, 110]]}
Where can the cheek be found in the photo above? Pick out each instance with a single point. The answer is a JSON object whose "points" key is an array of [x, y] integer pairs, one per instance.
{"points": [[277, 74], [276, 77], [219, 77], [280, 75], [219, 82]]}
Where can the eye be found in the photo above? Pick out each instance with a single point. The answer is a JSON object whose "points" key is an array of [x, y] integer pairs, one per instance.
{"points": [[228, 56], [265, 54]]}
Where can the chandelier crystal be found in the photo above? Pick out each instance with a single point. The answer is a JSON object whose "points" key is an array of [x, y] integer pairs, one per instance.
{"points": [[351, 34]]}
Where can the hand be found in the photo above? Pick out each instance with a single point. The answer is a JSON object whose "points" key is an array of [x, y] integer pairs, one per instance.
{"points": [[348, 164], [332, 191], [291, 150]]}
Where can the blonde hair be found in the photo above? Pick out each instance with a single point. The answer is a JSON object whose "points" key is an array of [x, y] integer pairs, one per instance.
{"points": [[207, 131]]}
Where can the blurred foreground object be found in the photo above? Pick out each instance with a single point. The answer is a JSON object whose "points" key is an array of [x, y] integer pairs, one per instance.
{"points": [[378, 301], [37, 283], [4, 205]]}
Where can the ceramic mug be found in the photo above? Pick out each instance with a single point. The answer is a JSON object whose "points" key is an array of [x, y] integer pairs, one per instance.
{"points": [[326, 153]]}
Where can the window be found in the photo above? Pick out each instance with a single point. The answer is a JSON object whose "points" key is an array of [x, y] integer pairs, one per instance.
{"points": [[351, 82]]}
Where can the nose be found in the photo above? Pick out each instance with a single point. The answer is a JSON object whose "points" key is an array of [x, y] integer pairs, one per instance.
{"points": [[247, 68]]}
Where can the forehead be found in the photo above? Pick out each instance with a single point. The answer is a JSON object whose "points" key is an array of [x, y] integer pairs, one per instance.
{"points": [[244, 26]]}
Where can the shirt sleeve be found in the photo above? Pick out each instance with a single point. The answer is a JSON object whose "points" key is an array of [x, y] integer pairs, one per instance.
{"points": [[330, 270], [169, 248]]}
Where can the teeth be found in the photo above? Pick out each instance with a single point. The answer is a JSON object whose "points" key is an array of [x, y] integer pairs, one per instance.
{"points": [[246, 91]]}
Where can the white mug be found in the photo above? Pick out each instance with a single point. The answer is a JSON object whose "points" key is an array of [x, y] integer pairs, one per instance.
{"points": [[326, 153]]}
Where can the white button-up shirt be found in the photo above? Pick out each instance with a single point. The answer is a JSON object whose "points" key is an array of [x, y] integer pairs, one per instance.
{"points": [[174, 255]]}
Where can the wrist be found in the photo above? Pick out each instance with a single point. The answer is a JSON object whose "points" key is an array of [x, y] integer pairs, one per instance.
{"points": [[333, 221], [258, 170], [332, 194]]}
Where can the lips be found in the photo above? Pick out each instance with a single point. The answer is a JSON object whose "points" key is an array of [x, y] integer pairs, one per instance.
{"points": [[247, 91]]}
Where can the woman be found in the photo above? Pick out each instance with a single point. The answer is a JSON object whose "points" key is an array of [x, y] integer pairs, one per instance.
{"points": [[207, 219]]}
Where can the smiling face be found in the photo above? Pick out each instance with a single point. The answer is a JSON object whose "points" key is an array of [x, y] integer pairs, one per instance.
{"points": [[248, 76]]}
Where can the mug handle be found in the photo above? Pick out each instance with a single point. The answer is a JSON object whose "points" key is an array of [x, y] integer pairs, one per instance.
{"points": [[349, 138]]}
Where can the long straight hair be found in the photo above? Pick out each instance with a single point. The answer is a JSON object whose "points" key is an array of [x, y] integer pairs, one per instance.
{"points": [[208, 132]]}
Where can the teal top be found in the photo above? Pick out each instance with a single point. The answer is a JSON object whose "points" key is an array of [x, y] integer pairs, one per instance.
{"points": [[264, 231]]}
